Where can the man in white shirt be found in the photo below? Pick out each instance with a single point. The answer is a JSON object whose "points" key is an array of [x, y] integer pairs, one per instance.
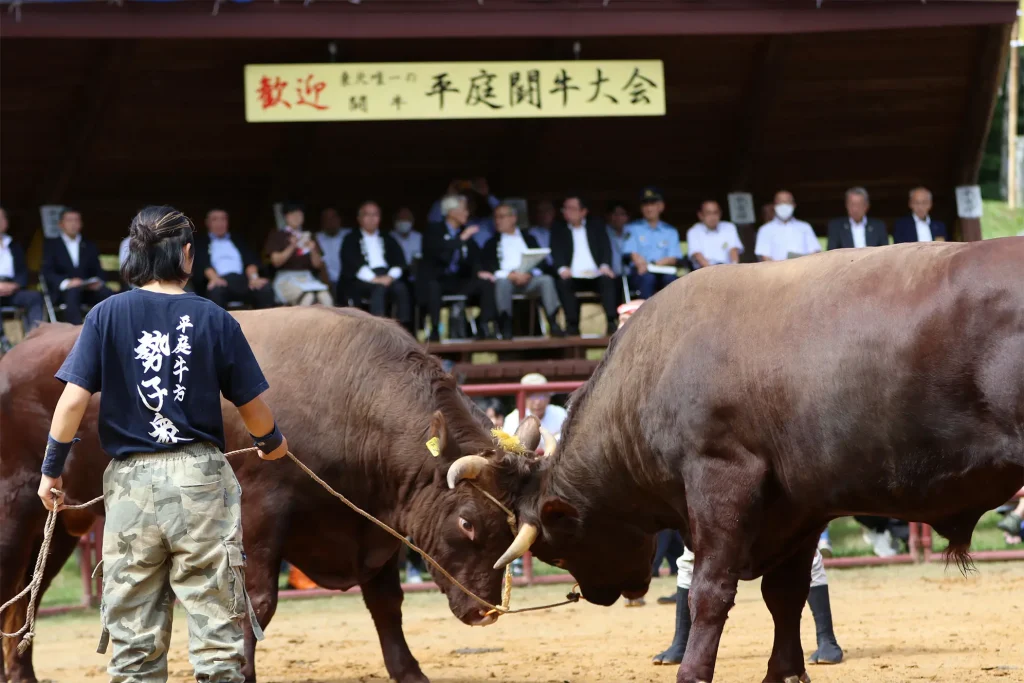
{"points": [[582, 254], [784, 236], [500, 261], [372, 265], [856, 230], [71, 268], [713, 241], [919, 225], [329, 238], [539, 404], [226, 269], [14, 289]]}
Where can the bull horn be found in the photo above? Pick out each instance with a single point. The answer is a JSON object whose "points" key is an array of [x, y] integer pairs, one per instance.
{"points": [[550, 444], [466, 467], [527, 535]]}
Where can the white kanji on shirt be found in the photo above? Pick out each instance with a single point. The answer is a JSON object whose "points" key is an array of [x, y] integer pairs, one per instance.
{"points": [[164, 430], [183, 346], [180, 368], [179, 392], [151, 350], [184, 322], [158, 393]]}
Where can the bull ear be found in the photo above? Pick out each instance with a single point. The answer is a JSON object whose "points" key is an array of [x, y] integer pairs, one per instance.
{"points": [[557, 512], [446, 447], [528, 433]]}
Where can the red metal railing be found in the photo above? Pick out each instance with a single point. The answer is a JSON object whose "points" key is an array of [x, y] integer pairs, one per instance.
{"points": [[920, 534]]}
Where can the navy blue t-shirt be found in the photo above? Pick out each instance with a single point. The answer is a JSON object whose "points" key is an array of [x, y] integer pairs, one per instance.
{"points": [[161, 362]]}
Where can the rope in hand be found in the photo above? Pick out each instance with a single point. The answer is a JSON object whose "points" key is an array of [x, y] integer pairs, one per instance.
{"points": [[28, 629]]}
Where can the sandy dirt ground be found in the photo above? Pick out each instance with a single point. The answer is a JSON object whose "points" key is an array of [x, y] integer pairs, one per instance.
{"points": [[896, 624]]}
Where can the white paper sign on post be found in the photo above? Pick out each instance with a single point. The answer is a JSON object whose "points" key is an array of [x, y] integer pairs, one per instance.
{"points": [[968, 201], [741, 208], [49, 214]]}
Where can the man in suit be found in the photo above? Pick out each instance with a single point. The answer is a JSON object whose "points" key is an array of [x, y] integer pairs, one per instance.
{"points": [[226, 269], [856, 230], [582, 257], [451, 265], [372, 265], [919, 226], [500, 261], [69, 262], [14, 279]]}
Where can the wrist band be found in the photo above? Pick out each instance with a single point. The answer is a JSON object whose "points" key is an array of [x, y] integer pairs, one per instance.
{"points": [[56, 454], [270, 442]]}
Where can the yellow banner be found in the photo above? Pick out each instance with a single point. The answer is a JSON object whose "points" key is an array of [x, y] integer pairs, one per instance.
{"points": [[453, 90]]}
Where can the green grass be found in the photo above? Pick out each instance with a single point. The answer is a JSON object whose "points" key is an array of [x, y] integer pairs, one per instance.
{"points": [[999, 220]]}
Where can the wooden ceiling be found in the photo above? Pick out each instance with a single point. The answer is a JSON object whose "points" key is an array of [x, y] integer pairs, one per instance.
{"points": [[111, 125]]}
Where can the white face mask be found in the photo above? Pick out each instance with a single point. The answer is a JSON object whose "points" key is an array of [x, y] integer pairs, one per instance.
{"points": [[784, 211], [403, 227]]}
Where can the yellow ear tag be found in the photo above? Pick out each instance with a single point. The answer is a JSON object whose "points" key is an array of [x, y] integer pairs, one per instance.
{"points": [[434, 446]]}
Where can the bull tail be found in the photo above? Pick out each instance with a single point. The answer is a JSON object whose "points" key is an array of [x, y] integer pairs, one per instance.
{"points": [[960, 554]]}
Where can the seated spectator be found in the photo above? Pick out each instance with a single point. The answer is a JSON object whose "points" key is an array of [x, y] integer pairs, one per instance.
{"points": [[539, 404], [481, 214], [297, 258], [493, 410], [451, 265], [71, 268], [462, 187], [500, 260], [582, 256], [226, 268], [618, 234], [372, 265], [544, 220], [856, 230], [919, 226], [329, 240], [652, 242], [14, 279], [408, 239], [713, 241], [784, 236], [122, 251]]}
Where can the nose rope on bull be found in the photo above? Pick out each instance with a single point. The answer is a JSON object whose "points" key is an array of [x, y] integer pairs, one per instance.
{"points": [[28, 629]]}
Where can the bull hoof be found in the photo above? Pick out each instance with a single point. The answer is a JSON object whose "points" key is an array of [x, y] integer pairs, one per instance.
{"points": [[415, 677], [827, 653]]}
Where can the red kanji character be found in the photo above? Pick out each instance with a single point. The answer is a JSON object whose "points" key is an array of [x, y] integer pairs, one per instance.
{"points": [[271, 92], [309, 87]]}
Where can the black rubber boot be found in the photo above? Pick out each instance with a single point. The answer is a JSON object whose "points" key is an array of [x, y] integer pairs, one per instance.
{"points": [[828, 651], [674, 653]]}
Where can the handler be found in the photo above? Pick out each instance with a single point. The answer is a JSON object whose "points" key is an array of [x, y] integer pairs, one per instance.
{"points": [[161, 358]]}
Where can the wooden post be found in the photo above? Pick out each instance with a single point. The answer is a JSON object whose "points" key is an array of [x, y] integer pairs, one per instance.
{"points": [[1012, 87]]}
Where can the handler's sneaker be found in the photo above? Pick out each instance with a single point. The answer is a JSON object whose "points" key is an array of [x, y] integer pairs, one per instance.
{"points": [[882, 543]]}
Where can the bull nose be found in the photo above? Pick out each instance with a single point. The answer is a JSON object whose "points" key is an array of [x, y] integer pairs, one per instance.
{"points": [[482, 617]]}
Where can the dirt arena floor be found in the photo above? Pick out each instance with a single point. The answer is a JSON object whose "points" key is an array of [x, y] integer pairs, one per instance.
{"points": [[897, 624]]}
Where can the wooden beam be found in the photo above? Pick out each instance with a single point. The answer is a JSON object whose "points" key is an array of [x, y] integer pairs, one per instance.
{"points": [[496, 18], [761, 91], [989, 69]]}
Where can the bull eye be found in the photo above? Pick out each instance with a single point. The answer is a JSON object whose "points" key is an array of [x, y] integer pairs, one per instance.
{"points": [[467, 528]]}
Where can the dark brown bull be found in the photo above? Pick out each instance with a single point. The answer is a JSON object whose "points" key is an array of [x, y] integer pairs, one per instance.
{"points": [[750, 405], [358, 399]]}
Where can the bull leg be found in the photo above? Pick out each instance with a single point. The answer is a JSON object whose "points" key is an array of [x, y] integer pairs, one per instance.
{"points": [[785, 589], [20, 668], [383, 597], [263, 566], [723, 520]]}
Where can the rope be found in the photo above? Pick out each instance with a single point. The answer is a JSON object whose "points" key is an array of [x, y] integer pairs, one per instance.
{"points": [[37, 575], [28, 629]]}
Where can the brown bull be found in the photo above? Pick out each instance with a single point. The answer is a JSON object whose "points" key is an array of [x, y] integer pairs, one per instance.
{"points": [[750, 405], [358, 399]]}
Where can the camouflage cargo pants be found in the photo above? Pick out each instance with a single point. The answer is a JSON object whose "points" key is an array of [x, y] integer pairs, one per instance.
{"points": [[173, 529]]}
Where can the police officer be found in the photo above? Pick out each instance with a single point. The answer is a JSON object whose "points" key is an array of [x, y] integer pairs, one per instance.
{"points": [[161, 358], [652, 243]]}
